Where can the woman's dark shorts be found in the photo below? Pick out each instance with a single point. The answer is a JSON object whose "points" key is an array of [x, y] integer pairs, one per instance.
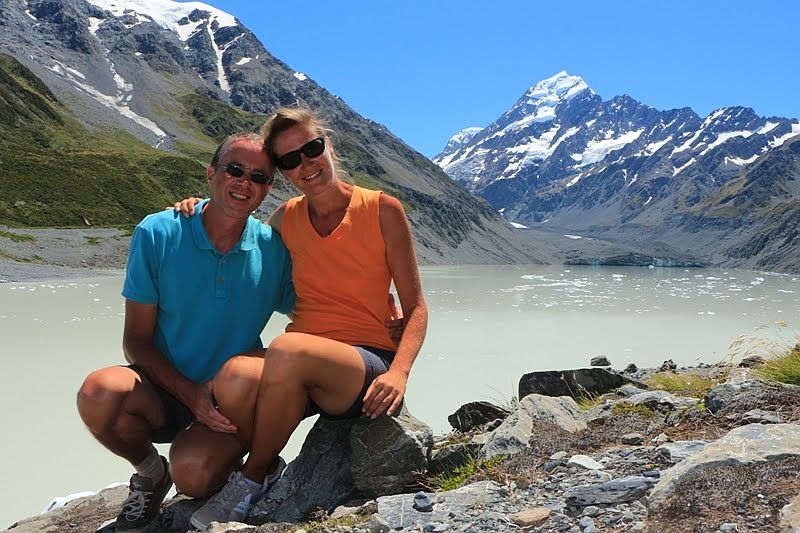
{"points": [[376, 362], [177, 416]]}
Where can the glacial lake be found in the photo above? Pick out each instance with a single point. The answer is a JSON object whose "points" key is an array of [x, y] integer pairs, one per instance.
{"points": [[488, 326]]}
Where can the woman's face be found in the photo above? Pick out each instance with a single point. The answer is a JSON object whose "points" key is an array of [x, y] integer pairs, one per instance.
{"points": [[315, 170]]}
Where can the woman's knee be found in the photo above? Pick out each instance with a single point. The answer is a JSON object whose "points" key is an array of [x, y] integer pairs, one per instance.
{"points": [[236, 383], [286, 353]]}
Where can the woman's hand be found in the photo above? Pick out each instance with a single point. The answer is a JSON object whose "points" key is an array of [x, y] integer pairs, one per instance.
{"points": [[385, 394], [186, 206]]}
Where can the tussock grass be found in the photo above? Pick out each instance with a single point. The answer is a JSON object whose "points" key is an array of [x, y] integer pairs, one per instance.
{"points": [[587, 403], [781, 353], [460, 475], [692, 385], [783, 369]]}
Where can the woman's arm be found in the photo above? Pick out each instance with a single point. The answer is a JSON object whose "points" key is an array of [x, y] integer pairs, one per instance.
{"points": [[276, 218], [386, 392]]}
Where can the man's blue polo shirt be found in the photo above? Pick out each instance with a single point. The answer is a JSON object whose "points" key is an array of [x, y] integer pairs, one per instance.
{"points": [[210, 306]]}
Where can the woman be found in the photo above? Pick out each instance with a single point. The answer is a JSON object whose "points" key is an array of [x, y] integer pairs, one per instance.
{"points": [[336, 358]]}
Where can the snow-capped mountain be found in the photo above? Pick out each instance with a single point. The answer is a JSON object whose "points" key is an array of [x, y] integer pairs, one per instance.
{"points": [[180, 76], [564, 156]]}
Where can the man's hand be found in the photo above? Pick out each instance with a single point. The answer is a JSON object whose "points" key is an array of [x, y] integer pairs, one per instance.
{"points": [[206, 412], [396, 325], [385, 394]]}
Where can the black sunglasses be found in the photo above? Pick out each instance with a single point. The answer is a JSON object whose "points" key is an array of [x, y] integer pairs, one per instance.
{"points": [[311, 149], [237, 171]]}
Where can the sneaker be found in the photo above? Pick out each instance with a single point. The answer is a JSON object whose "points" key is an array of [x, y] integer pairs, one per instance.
{"points": [[143, 502], [236, 499]]}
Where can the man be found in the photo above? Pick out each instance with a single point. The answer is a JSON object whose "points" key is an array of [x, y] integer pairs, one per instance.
{"points": [[198, 291]]}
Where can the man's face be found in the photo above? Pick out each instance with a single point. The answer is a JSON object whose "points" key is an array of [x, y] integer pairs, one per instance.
{"points": [[239, 196]]}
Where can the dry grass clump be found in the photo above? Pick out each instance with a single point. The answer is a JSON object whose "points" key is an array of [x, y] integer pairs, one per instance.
{"points": [[781, 354], [683, 384], [473, 469], [783, 369]]}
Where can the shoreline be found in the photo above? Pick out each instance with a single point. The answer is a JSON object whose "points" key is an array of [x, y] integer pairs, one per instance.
{"points": [[19, 272]]}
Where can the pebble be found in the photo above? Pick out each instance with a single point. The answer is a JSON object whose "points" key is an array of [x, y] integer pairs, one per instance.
{"points": [[543, 505]]}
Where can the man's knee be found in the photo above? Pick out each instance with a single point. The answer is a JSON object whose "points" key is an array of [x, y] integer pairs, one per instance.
{"points": [[198, 476], [101, 395]]}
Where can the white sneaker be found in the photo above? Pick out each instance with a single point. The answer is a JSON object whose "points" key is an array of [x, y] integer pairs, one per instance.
{"points": [[236, 499]]}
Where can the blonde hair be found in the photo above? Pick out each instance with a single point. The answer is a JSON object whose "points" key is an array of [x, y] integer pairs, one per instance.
{"points": [[285, 118]]}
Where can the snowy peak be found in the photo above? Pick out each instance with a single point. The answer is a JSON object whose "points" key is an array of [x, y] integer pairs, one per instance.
{"points": [[559, 88], [183, 18], [541, 102], [461, 138], [562, 150]]}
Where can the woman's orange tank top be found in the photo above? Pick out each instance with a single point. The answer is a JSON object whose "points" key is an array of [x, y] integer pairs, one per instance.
{"points": [[341, 280]]}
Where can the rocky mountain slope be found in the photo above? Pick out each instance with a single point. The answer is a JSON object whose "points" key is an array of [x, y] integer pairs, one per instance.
{"points": [[564, 158], [95, 91]]}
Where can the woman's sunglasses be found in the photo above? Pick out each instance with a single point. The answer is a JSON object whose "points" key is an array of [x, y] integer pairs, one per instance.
{"points": [[237, 171], [311, 149]]}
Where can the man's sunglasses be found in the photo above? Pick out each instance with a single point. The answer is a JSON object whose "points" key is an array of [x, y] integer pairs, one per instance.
{"points": [[311, 149], [237, 171]]}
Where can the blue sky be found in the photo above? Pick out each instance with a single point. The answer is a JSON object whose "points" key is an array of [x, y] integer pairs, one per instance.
{"points": [[428, 68]]}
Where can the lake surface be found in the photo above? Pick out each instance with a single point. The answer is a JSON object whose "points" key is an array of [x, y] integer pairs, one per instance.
{"points": [[488, 326]]}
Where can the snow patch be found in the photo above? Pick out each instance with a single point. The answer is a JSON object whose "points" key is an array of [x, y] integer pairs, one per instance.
{"points": [[652, 148], [300, 76], [741, 162], [117, 102], [94, 24], [244, 61], [766, 128], [680, 169], [597, 150], [777, 141], [518, 225], [722, 137], [166, 13]]}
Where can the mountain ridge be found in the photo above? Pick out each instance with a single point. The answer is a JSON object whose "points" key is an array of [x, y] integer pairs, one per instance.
{"points": [[621, 170], [119, 68]]}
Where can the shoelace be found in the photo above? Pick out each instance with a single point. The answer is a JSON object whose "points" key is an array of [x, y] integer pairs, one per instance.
{"points": [[135, 504], [232, 493]]}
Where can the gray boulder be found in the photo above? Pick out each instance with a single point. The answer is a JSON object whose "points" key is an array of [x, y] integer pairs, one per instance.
{"points": [[577, 384], [389, 453], [514, 434], [743, 445], [342, 458], [616, 491], [319, 477], [475, 414]]}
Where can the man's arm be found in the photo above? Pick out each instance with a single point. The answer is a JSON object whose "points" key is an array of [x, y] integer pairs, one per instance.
{"points": [[139, 349]]}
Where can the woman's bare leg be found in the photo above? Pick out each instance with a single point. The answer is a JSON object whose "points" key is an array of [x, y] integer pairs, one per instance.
{"points": [[299, 367]]}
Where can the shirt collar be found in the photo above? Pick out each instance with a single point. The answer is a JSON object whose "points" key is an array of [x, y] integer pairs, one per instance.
{"points": [[246, 242]]}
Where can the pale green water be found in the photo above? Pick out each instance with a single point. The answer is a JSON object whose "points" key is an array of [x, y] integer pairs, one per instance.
{"points": [[488, 326]]}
